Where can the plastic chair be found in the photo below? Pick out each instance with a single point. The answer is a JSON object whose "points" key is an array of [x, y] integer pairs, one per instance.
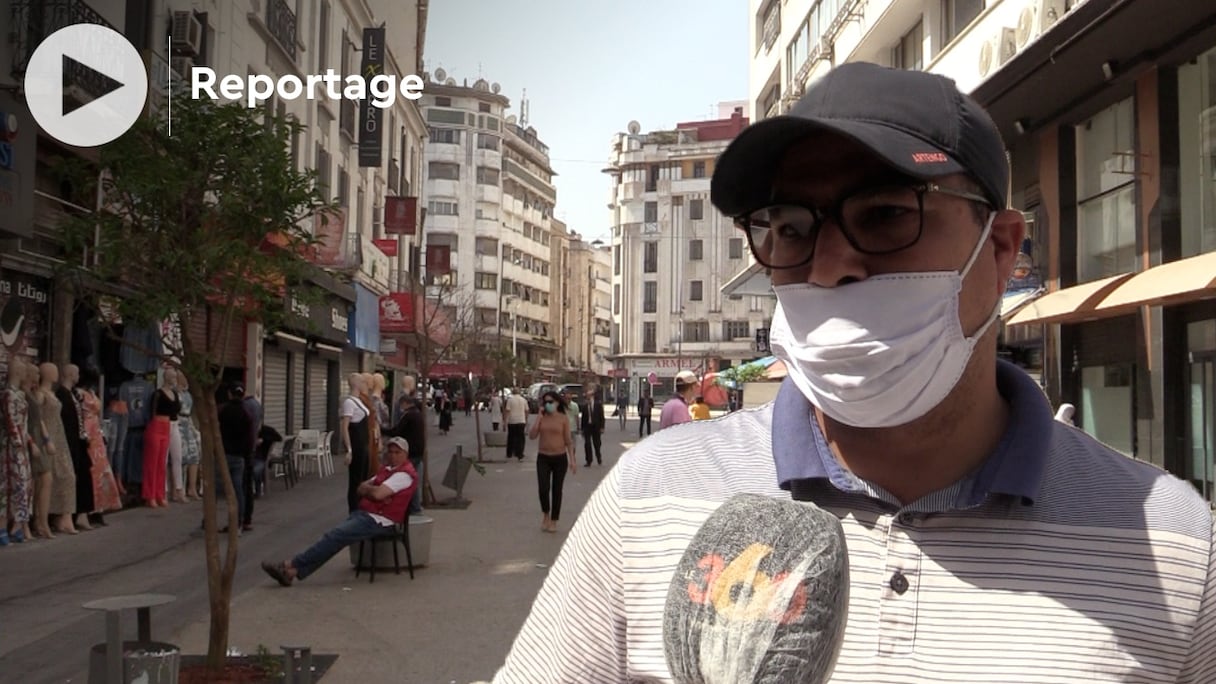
{"points": [[395, 533]]}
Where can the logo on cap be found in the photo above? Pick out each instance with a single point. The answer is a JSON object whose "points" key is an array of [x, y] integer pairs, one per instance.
{"points": [[929, 158]]}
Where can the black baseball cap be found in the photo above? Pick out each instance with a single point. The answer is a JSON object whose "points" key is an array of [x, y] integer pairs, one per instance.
{"points": [[918, 122]]}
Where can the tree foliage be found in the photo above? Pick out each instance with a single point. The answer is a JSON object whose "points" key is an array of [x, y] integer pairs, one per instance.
{"points": [[742, 374], [206, 223]]}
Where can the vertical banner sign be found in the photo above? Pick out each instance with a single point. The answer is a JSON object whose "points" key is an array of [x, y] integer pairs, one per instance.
{"points": [[370, 116], [400, 215], [438, 260]]}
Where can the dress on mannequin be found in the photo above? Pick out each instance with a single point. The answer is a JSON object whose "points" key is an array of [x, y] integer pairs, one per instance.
{"points": [[73, 429], [116, 412], [157, 436], [105, 489], [16, 482], [192, 445], [136, 393], [63, 484]]}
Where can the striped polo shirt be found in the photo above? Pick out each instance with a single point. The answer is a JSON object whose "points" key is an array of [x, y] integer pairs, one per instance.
{"points": [[1058, 561]]}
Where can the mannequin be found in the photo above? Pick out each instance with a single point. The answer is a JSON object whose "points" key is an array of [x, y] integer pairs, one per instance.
{"points": [[42, 452], [15, 481], [63, 474], [354, 429], [72, 413], [191, 439], [172, 380], [106, 491], [136, 395], [373, 434], [166, 407]]}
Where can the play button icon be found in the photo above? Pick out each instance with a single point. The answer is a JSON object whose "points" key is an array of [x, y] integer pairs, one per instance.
{"points": [[86, 85]]}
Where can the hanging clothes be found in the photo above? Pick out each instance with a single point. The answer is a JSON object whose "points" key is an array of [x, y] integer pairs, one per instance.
{"points": [[135, 341]]}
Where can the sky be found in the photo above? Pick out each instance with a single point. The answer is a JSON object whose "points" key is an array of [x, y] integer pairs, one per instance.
{"points": [[590, 67]]}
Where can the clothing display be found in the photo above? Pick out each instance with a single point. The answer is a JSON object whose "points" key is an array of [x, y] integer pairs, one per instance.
{"points": [[40, 458], [135, 341], [116, 414], [105, 488], [373, 436], [358, 430], [16, 482], [158, 436], [136, 393], [63, 482], [73, 428], [192, 440]]}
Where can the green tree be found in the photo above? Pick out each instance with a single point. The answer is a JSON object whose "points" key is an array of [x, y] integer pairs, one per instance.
{"points": [[208, 222], [742, 374]]}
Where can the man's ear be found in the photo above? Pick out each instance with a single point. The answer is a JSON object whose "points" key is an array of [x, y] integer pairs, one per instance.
{"points": [[1008, 230]]}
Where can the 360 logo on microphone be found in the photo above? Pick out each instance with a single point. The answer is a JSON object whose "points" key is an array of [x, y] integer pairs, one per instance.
{"points": [[780, 597]]}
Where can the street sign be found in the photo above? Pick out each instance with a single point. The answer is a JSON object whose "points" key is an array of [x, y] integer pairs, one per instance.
{"points": [[762, 341]]}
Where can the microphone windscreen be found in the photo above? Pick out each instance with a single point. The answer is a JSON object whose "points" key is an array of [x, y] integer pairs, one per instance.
{"points": [[760, 596]]}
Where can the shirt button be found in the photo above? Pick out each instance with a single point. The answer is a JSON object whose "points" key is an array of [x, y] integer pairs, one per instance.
{"points": [[906, 518], [898, 583]]}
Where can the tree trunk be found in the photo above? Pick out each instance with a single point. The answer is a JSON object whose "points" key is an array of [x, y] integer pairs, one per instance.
{"points": [[219, 574], [428, 494]]}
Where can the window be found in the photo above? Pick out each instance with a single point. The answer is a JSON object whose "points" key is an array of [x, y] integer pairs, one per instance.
{"points": [[483, 107], [650, 257], [485, 141], [1197, 135], [768, 27], [695, 331], [343, 187], [443, 170], [652, 178], [696, 209], [650, 296], [616, 261], [652, 212], [698, 169], [443, 102], [450, 136], [616, 299], [323, 167], [649, 338], [485, 281], [443, 208], [323, 39], [695, 290], [1106, 193], [910, 52], [485, 245], [735, 330], [957, 15], [695, 250], [487, 175], [735, 247]]}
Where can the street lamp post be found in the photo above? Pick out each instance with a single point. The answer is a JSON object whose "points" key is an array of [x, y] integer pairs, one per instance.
{"points": [[511, 299]]}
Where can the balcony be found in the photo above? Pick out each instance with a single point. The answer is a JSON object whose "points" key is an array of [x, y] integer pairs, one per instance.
{"points": [[281, 22], [34, 20]]}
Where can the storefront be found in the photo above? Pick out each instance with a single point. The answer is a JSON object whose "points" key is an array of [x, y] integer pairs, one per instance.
{"points": [[657, 374], [25, 318], [364, 325], [300, 364]]}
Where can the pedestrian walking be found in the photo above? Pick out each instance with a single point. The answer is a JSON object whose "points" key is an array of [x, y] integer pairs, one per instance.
{"points": [[515, 415], [554, 455], [676, 409], [593, 423], [645, 407], [496, 410]]}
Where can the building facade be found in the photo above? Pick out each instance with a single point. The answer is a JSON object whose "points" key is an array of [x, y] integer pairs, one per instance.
{"points": [[672, 252], [490, 200], [588, 303], [296, 371]]}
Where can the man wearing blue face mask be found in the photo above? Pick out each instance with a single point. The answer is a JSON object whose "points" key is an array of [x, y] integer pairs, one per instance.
{"points": [[987, 541]]}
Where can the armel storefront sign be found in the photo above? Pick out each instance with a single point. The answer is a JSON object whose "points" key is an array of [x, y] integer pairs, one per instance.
{"points": [[371, 139], [326, 318]]}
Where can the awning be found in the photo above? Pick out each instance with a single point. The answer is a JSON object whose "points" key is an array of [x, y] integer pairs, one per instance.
{"points": [[1070, 304], [1013, 302], [751, 281], [1169, 283]]}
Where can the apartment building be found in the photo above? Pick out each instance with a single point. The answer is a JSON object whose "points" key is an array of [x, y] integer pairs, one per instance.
{"points": [[296, 371], [490, 200], [672, 253], [588, 303]]}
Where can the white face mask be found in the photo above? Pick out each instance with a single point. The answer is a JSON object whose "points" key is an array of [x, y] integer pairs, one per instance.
{"points": [[881, 352]]}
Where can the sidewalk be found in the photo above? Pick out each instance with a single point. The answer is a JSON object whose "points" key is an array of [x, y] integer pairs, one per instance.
{"points": [[456, 621]]}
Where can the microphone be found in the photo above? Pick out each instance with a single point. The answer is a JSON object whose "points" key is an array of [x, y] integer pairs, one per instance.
{"points": [[760, 596]]}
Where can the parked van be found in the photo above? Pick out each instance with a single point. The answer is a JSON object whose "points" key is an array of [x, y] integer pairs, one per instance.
{"points": [[534, 393]]}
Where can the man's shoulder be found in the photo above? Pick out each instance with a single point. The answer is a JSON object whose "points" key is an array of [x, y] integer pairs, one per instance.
{"points": [[706, 460], [1090, 483]]}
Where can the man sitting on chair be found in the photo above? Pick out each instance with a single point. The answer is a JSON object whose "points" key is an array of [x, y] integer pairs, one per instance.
{"points": [[383, 501]]}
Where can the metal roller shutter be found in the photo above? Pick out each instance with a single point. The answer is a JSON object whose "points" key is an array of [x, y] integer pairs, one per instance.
{"points": [[274, 387], [234, 347], [318, 392], [296, 420]]}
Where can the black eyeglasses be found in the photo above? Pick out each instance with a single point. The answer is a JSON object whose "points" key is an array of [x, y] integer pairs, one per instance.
{"points": [[875, 220]]}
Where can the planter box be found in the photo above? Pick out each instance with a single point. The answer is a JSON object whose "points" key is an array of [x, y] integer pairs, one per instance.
{"points": [[147, 662], [495, 439], [420, 547], [192, 667]]}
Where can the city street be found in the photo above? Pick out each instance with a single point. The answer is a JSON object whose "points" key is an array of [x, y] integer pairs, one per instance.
{"points": [[453, 623]]}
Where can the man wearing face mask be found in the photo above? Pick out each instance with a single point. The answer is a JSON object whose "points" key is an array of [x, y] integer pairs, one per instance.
{"points": [[987, 541]]}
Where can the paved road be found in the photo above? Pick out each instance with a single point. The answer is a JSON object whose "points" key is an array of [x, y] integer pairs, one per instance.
{"points": [[453, 623]]}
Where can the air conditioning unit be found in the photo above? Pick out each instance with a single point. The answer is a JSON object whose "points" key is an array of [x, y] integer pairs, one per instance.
{"points": [[997, 50], [181, 66], [1036, 18], [187, 34]]}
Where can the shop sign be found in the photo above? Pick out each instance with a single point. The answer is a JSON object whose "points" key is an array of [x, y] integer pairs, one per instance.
{"points": [[325, 319], [365, 329], [17, 151], [24, 317], [339, 321]]}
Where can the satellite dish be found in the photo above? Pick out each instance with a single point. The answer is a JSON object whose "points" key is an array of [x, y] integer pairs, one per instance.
{"points": [[495, 88], [441, 75], [511, 119], [481, 84], [635, 128], [450, 82]]}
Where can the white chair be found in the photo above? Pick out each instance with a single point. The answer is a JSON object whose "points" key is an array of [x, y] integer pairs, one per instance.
{"points": [[325, 457], [308, 451]]}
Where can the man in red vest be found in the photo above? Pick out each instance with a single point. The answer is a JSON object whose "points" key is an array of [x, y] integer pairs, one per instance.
{"points": [[383, 503]]}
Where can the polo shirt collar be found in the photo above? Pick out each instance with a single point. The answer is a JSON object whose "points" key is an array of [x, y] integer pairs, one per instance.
{"points": [[1015, 468]]}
